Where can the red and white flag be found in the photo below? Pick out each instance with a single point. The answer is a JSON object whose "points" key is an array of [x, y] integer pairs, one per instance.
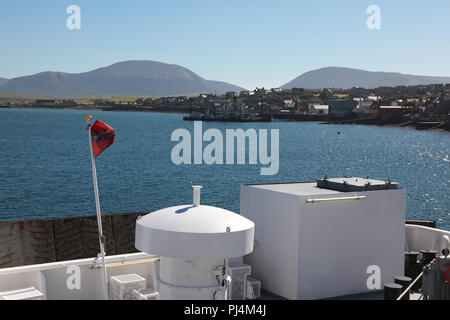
{"points": [[102, 137]]}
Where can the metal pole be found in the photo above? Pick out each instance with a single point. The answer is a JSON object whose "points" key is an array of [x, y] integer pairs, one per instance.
{"points": [[101, 238], [410, 286]]}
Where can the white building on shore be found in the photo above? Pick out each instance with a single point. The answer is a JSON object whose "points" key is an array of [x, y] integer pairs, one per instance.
{"points": [[317, 109]]}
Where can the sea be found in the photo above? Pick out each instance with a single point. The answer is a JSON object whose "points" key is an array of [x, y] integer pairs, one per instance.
{"points": [[45, 167]]}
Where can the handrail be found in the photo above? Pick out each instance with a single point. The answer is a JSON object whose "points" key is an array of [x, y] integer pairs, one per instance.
{"points": [[410, 286], [127, 263], [335, 199]]}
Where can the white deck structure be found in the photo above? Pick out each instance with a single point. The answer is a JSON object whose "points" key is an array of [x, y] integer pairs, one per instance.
{"points": [[76, 279], [316, 243], [57, 281], [195, 243], [311, 243]]}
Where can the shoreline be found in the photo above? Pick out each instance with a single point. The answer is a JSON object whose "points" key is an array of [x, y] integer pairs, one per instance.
{"points": [[388, 125], [88, 109]]}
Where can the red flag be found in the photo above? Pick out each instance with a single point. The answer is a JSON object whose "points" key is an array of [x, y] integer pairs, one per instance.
{"points": [[102, 137]]}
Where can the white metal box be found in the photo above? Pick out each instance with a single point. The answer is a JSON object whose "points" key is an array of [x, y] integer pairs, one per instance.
{"points": [[29, 293], [253, 288], [145, 294], [238, 273], [308, 249], [122, 286]]}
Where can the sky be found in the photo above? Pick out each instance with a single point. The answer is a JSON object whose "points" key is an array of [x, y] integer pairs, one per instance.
{"points": [[250, 43]]}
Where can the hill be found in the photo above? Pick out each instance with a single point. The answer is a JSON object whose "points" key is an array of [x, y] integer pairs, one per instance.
{"points": [[3, 81], [345, 78], [128, 78]]}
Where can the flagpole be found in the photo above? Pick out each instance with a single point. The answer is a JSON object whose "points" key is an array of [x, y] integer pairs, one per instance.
{"points": [[101, 238]]}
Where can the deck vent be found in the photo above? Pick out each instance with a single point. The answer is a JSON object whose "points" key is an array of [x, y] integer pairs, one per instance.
{"points": [[194, 243]]}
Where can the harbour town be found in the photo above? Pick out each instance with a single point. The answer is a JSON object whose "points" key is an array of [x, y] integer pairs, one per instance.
{"points": [[420, 107]]}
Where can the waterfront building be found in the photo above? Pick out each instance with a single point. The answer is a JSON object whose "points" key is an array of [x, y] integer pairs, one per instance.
{"points": [[392, 110], [341, 107], [318, 109]]}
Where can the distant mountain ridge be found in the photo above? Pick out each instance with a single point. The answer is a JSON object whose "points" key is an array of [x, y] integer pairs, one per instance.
{"points": [[345, 78], [3, 81], [152, 78], [127, 78]]}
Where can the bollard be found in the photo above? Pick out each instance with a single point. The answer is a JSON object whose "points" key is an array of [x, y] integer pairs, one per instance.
{"points": [[392, 291], [413, 267], [404, 282], [427, 256], [411, 264]]}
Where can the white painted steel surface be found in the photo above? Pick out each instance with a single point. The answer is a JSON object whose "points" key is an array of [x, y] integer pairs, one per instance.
{"points": [[22, 294], [189, 232], [425, 238], [320, 250], [196, 195], [122, 286], [56, 280], [182, 279], [194, 243]]}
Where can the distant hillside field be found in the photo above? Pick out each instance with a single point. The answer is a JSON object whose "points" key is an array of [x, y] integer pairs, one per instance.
{"points": [[17, 97], [123, 79]]}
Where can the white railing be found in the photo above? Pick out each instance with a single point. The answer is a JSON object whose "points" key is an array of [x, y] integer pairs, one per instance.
{"points": [[76, 279]]}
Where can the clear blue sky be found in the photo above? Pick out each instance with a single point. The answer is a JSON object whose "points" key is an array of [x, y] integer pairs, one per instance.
{"points": [[245, 42]]}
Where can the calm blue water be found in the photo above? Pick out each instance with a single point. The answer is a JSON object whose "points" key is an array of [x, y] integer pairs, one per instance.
{"points": [[45, 166]]}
